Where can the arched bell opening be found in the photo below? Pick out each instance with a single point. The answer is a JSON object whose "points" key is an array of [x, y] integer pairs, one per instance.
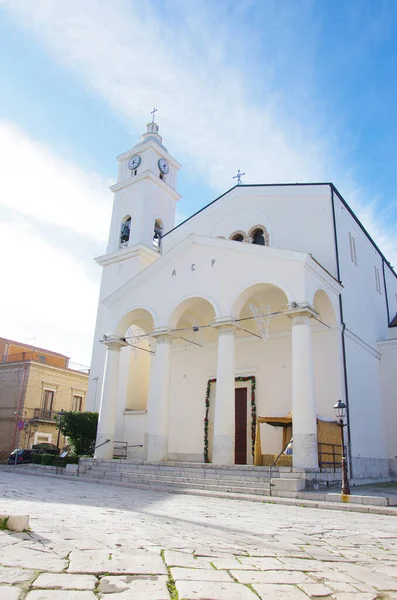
{"points": [[258, 235], [125, 231], [238, 236], [157, 235]]}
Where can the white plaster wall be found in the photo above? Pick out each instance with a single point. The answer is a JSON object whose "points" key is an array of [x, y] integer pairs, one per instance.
{"points": [[270, 362], [389, 395], [297, 218], [135, 424], [366, 417]]}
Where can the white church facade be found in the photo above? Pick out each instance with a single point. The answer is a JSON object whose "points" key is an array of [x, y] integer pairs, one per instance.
{"points": [[271, 301]]}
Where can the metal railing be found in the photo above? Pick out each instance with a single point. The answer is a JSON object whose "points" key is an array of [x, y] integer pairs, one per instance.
{"points": [[329, 456], [44, 413], [274, 463]]}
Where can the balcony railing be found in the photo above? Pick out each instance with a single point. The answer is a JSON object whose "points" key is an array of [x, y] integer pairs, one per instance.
{"points": [[44, 414]]}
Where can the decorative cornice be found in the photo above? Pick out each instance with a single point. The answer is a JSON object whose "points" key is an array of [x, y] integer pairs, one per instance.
{"points": [[125, 253], [148, 174], [113, 342], [302, 310]]}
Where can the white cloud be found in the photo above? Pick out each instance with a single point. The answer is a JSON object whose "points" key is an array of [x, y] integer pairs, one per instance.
{"points": [[136, 59], [41, 185], [52, 217]]}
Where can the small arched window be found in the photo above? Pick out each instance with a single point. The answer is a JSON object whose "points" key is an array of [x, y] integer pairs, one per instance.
{"points": [[258, 235], [238, 236], [125, 232], [157, 235]]}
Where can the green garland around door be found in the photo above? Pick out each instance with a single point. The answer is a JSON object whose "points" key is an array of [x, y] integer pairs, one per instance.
{"points": [[250, 378]]}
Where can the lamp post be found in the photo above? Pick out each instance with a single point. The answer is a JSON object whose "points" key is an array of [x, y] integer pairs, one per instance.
{"points": [[340, 412], [59, 426]]}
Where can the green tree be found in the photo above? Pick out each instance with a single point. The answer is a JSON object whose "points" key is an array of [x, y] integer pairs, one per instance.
{"points": [[80, 428]]}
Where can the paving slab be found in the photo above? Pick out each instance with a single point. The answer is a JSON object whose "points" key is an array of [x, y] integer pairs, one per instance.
{"points": [[17, 556], [315, 589], [10, 593], [281, 577], [206, 590], [261, 563], [184, 559], [60, 595], [179, 573], [11, 575], [136, 587], [64, 581], [104, 561], [279, 592]]}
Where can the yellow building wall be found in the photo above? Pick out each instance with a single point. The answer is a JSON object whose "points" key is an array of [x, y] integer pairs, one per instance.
{"points": [[17, 352], [64, 382]]}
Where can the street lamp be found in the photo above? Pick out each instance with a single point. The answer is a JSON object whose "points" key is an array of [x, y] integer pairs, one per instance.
{"points": [[340, 412], [59, 426]]}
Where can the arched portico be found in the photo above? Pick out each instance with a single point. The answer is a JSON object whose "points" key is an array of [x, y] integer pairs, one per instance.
{"points": [[127, 368]]}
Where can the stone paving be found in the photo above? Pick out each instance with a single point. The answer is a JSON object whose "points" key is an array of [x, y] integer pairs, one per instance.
{"points": [[90, 541]]}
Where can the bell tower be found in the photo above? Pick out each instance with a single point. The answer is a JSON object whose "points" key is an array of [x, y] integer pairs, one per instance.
{"points": [[145, 194], [144, 207]]}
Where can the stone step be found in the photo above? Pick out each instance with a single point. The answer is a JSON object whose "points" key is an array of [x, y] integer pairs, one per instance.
{"points": [[170, 484], [223, 476], [155, 478]]}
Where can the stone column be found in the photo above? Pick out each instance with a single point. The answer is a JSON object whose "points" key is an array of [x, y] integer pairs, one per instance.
{"points": [[304, 417], [156, 443], [224, 414], [108, 407]]}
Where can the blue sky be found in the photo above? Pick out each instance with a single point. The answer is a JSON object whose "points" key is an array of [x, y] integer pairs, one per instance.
{"points": [[291, 90]]}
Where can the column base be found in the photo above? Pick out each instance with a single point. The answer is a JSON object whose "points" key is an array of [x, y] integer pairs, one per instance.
{"points": [[305, 451], [105, 451], [156, 448], [223, 450]]}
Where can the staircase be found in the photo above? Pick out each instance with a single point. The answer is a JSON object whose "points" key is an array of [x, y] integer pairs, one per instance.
{"points": [[193, 478]]}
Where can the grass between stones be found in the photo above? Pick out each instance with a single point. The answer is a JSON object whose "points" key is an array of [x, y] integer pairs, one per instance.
{"points": [[247, 585], [4, 523], [171, 582]]}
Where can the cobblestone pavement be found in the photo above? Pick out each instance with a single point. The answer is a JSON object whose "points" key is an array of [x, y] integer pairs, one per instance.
{"points": [[92, 541]]}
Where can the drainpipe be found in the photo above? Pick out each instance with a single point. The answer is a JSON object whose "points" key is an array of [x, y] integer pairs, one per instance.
{"points": [[19, 405]]}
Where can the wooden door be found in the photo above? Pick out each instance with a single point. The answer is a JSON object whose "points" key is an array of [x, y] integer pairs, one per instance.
{"points": [[240, 450]]}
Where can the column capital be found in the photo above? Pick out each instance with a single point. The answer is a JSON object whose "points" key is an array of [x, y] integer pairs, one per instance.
{"points": [[225, 324], [113, 342], [162, 334], [302, 310]]}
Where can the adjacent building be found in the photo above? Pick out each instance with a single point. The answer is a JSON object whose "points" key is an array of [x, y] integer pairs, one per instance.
{"points": [[35, 384]]}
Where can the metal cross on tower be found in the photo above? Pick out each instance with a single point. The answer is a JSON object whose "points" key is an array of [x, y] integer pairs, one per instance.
{"points": [[153, 113], [238, 177]]}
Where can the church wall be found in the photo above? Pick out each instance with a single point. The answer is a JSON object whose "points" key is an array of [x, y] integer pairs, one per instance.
{"points": [[368, 435], [389, 399], [297, 218], [270, 362]]}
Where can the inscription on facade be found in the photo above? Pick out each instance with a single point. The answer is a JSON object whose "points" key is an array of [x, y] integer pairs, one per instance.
{"points": [[193, 267]]}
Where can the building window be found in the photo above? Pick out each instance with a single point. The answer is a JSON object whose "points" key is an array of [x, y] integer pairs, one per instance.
{"points": [[48, 399], [258, 235], [42, 358], [238, 236], [377, 280], [353, 254], [77, 403], [125, 232]]}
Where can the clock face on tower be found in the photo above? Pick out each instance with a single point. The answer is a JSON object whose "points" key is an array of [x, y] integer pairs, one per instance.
{"points": [[134, 162], [164, 166]]}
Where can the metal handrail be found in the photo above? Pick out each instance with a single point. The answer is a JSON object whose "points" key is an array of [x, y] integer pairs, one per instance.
{"points": [[273, 463], [92, 449]]}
